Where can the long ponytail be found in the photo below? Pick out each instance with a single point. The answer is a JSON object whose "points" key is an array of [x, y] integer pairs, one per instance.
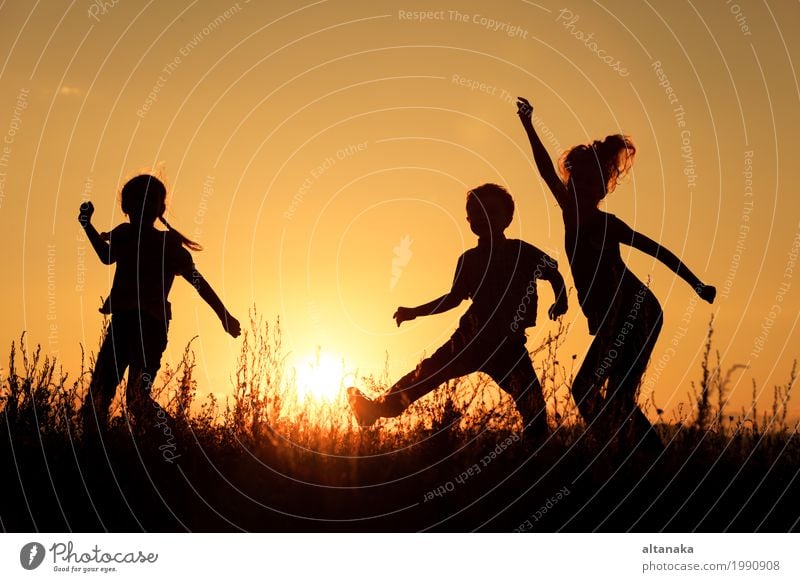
{"points": [[188, 243], [145, 197]]}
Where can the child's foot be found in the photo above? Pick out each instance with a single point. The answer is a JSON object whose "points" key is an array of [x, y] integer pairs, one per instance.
{"points": [[365, 409]]}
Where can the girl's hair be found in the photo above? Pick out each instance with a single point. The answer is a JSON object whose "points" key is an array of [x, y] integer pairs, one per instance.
{"points": [[613, 157], [495, 197], [145, 196]]}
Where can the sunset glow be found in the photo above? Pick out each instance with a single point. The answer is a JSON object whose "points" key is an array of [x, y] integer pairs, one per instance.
{"points": [[321, 155], [320, 377]]}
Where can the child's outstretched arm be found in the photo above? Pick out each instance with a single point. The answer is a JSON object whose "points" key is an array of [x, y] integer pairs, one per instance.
{"points": [[444, 303], [663, 254], [543, 162], [229, 322], [102, 248]]}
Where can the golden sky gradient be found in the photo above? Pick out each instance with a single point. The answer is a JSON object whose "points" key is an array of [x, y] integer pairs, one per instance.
{"points": [[321, 153]]}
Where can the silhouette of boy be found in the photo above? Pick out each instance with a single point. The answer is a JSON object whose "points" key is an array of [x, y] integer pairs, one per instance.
{"points": [[499, 275]]}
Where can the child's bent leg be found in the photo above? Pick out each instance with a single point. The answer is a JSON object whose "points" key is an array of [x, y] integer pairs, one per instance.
{"points": [[626, 376], [145, 364], [137, 397], [513, 371], [112, 360]]}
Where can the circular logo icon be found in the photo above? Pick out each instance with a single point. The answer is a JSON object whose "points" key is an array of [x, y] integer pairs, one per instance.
{"points": [[31, 555]]}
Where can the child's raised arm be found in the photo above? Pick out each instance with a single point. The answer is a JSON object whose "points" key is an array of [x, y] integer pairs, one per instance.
{"points": [[663, 254], [444, 303], [229, 322], [543, 162], [102, 248]]}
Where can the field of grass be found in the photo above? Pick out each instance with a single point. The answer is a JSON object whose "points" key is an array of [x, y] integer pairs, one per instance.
{"points": [[265, 461]]}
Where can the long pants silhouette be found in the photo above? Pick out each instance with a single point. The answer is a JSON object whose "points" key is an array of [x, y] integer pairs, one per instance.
{"points": [[134, 341], [618, 357], [506, 360]]}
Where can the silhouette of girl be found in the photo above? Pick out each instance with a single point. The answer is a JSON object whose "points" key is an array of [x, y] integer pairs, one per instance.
{"points": [[147, 261], [623, 314]]}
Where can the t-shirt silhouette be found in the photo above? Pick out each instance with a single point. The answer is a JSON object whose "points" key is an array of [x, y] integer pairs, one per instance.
{"points": [[147, 262], [500, 279], [598, 270]]}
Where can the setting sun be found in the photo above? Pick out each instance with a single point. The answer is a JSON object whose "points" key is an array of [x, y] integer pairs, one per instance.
{"points": [[320, 376]]}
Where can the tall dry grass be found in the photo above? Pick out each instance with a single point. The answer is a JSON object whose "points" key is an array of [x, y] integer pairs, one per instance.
{"points": [[266, 447], [264, 405]]}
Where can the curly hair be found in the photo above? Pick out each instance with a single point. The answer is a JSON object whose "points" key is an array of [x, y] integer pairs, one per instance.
{"points": [[612, 157]]}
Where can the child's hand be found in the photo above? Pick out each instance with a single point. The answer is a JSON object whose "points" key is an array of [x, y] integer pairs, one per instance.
{"points": [[85, 213], [524, 110], [231, 325], [557, 309], [706, 292], [404, 314]]}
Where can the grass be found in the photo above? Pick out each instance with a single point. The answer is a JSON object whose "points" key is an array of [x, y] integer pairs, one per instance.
{"points": [[264, 460]]}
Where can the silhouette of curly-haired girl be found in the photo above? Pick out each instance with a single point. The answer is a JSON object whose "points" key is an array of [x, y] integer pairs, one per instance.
{"points": [[623, 314]]}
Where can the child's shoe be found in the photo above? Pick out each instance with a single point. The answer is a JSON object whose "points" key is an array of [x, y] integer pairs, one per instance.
{"points": [[367, 411]]}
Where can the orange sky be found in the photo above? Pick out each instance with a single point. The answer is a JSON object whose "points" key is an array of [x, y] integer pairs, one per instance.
{"points": [[320, 152]]}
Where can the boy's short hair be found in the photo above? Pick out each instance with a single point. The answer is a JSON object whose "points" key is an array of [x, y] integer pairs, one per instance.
{"points": [[495, 197]]}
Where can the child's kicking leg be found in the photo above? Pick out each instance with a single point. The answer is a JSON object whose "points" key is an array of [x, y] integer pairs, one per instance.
{"points": [[512, 369], [452, 360]]}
